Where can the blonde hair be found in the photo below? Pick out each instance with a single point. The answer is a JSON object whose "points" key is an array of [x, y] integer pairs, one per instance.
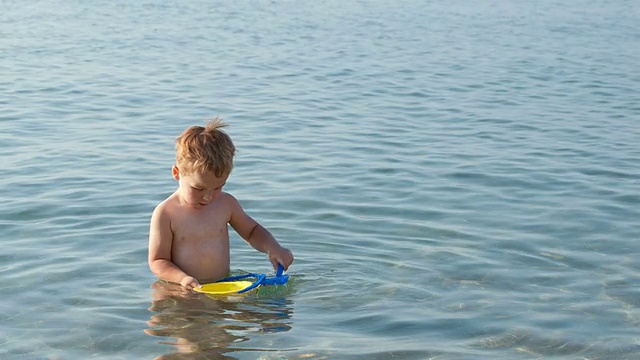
{"points": [[205, 148]]}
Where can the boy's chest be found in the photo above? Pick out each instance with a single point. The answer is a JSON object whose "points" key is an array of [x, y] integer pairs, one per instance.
{"points": [[201, 225]]}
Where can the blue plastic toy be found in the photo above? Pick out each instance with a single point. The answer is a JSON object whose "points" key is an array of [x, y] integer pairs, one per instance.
{"points": [[239, 284]]}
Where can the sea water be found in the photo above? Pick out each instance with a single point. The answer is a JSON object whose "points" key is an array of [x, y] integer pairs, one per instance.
{"points": [[456, 180]]}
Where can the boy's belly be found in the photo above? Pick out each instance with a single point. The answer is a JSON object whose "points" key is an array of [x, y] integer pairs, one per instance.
{"points": [[206, 261]]}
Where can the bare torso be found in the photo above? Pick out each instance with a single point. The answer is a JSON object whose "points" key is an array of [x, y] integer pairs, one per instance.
{"points": [[200, 239]]}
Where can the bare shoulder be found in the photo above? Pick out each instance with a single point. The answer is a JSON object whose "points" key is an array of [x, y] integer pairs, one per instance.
{"points": [[166, 207], [230, 202], [228, 197]]}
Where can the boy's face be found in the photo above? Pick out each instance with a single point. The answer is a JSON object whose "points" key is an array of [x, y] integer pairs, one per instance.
{"points": [[199, 189]]}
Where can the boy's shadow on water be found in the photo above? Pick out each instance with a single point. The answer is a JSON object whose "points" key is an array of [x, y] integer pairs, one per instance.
{"points": [[202, 327]]}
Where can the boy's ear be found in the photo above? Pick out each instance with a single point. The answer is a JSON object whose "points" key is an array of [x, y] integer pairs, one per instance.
{"points": [[175, 172]]}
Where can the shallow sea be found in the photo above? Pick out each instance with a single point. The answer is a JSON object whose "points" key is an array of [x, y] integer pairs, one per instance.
{"points": [[457, 180]]}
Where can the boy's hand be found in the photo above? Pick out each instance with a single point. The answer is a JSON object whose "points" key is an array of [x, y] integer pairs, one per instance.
{"points": [[189, 282], [282, 256]]}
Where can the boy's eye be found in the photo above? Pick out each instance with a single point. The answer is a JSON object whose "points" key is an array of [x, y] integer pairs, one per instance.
{"points": [[197, 189]]}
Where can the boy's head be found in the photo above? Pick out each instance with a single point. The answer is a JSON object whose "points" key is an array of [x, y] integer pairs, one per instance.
{"points": [[205, 149]]}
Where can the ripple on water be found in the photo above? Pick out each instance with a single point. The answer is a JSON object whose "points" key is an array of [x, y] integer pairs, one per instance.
{"points": [[470, 192]]}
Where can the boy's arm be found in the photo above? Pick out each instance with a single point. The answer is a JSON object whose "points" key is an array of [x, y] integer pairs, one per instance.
{"points": [[257, 236], [160, 242]]}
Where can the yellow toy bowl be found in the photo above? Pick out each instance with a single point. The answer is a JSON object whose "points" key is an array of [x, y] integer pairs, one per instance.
{"points": [[224, 287]]}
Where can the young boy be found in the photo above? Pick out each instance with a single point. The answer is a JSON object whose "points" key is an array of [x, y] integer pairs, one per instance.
{"points": [[189, 237]]}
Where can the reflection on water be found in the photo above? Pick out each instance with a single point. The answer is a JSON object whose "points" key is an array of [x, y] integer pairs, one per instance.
{"points": [[201, 327]]}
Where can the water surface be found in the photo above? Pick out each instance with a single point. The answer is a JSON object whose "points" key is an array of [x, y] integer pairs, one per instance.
{"points": [[457, 181]]}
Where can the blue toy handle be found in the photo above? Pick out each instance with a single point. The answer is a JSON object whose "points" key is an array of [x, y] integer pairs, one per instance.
{"points": [[280, 270], [254, 285], [258, 282], [261, 279]]}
